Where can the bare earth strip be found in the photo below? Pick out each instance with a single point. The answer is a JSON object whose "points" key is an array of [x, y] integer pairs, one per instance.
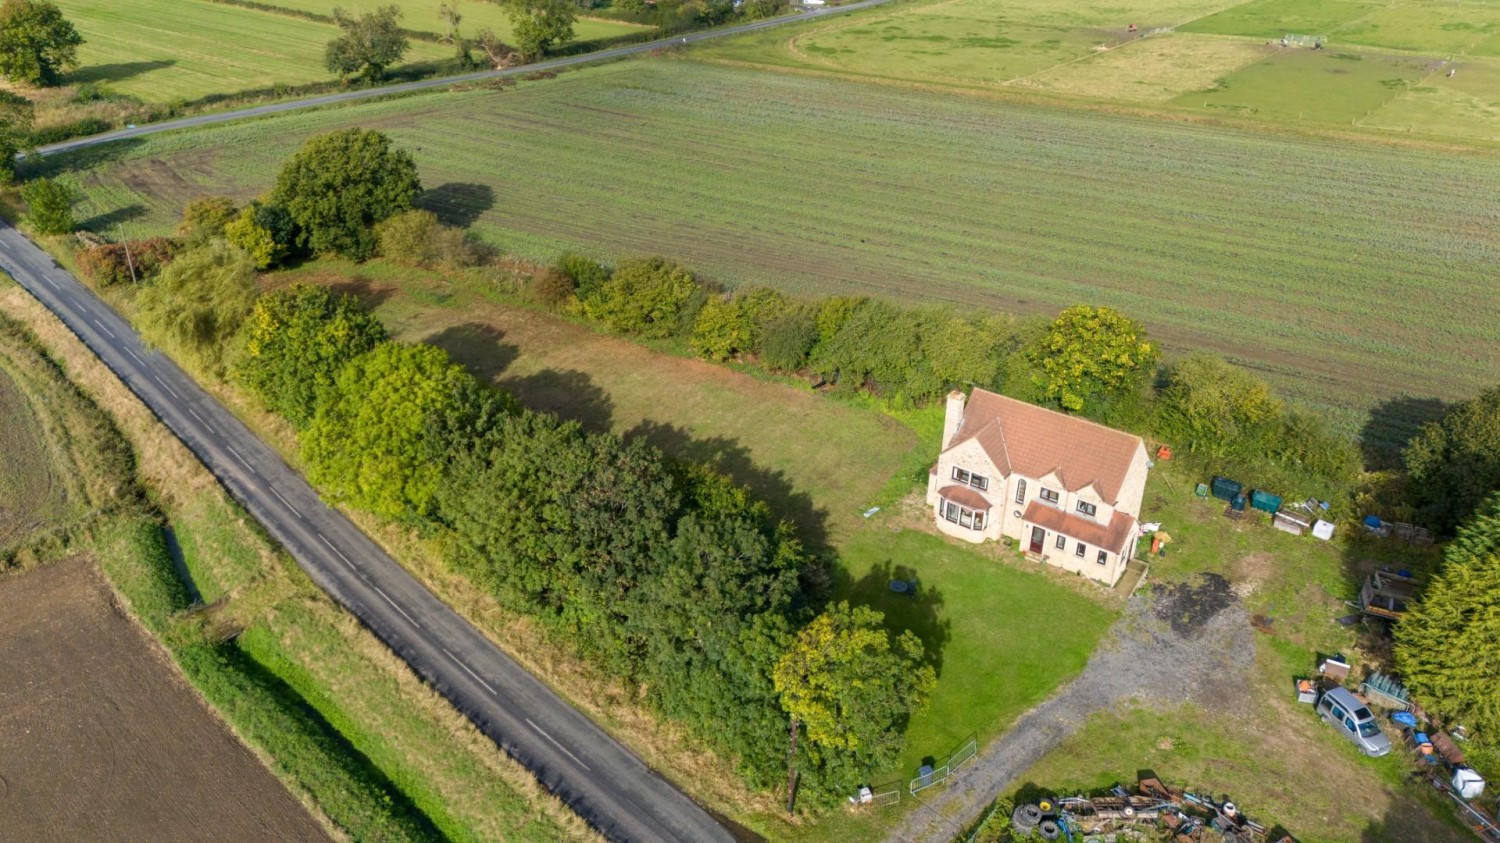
{"points": [[103, 741]]}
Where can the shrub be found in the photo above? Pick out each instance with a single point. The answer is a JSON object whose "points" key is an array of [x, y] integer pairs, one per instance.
{"points": [[1090, 356], [204, 219], [109, 264], [723, 329], [66, 131], [49, 205], [417, 238], [647, 297], [588, 274], [264, 231], [552, 289], [787, 340]]}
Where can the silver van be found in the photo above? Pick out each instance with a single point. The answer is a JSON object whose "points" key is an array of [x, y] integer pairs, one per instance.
{"points": [[1355, 721]]}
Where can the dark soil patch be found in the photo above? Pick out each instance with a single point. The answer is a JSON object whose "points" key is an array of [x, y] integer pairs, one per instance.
{"points": [[1190, 605]]}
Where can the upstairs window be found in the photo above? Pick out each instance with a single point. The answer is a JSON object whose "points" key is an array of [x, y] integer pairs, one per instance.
{"points": [[1049, 496], [968, 478], [1087, 508], [1020, 491]]}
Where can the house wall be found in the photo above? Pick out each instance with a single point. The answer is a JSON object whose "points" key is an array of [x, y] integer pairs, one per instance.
{"points": [[972, 458]]}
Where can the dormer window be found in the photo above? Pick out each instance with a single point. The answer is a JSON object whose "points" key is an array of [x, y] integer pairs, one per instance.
{"points": [[1087, 508], [1049, 496], [968, 478]]}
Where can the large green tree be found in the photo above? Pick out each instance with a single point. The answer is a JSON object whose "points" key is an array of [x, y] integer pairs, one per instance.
{"points": [[382, 436], [1448, 645], [49, 205], [36, 42], [371, 42], [1454, 462], [16, 114], [197, 303], [851, 687], [538, 24], [339, 184], [1209, 406], [1091, 356], [296, 341]]}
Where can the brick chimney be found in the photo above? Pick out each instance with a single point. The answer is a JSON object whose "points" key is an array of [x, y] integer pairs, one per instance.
{"points": [[954, 417]]}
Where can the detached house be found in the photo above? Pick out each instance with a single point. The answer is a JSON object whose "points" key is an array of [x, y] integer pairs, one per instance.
{"points": [[1067, 490]]}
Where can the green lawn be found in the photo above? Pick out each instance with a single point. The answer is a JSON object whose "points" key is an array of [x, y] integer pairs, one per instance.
{"points": [[165, 50], [422, 16], [1331, 268]]}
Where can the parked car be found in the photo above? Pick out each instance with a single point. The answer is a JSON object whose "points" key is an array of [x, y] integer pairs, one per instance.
{"points": [[1354, 720]]}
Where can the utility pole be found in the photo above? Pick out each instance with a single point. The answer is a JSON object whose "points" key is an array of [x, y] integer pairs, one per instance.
{"points": [[791, 765], [129, 261]]}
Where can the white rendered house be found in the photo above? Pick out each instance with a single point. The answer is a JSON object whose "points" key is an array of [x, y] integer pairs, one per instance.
{"points": [[1066, 489]]}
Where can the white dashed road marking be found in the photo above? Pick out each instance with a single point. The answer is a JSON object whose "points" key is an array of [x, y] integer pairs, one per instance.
{"points": [[544, 734], [167, 388], [394, 606], [240, 458], [339, 552], [133, 357], [287, 502], [105, 330], [473, 674]]}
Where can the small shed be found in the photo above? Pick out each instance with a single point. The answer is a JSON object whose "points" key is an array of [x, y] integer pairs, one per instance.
{"points": [[1386, 593]]}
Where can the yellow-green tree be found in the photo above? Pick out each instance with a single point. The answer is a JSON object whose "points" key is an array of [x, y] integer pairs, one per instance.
{"points": [[851, 686], [196, 304], [1091, 355]]}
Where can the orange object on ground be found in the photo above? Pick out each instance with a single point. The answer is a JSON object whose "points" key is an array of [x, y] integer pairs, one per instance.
{"points": [[1164, 452]]}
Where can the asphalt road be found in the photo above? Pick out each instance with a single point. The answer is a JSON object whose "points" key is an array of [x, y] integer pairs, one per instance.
{"points": [[599, 778], [366, 93]]}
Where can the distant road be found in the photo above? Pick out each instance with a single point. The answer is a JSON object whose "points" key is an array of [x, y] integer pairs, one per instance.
{"points": [[366, 93], [573, 758]]}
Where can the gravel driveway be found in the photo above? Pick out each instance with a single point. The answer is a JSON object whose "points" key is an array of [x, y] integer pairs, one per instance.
{"points": [[1187, 642]]}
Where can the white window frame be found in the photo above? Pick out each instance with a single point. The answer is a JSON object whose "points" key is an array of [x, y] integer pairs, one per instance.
{"points": [[961, 475], [1062, 542], [1020, 490], [1086, 508], [957, 513], [1050, 496]]}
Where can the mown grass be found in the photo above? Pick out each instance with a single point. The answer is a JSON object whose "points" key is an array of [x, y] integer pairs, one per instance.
{"points": [[341, 720], [1329, 268], [1072, 53], [165, 50]]}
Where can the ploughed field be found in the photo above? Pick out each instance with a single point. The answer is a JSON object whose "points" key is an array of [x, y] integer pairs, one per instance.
{"points": [[103, 740], [1347, 274]]}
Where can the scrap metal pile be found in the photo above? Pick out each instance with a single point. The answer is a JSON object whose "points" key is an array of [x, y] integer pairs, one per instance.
{"points": [[1154, 812]]}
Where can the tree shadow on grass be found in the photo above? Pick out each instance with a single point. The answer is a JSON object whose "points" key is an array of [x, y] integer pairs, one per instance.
{"points": [[118, 71], [458, 203], [479, 347], [567, 394], [919, 610], [1393, 423], [730, 458], [370, 295], [105, 223]]}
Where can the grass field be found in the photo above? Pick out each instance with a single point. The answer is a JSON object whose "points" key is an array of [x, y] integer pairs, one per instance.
{"points": [[340, 719], [422, 16], [1332, 269], [1187, 57], [165, 50]]}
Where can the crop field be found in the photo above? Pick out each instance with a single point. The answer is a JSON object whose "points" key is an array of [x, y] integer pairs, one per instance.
{"points": [[102, 738], [28, 491], [1187, 57], [1332, 269], [422, 16], [165, 50]]}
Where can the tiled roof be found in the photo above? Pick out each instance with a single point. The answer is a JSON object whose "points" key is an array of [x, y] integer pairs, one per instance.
{"points": [[964, 496], [1033, 441], [1111, 537]]}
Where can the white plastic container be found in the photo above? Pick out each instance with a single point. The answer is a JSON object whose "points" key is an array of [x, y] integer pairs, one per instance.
{"points": [[1467, 783]]}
